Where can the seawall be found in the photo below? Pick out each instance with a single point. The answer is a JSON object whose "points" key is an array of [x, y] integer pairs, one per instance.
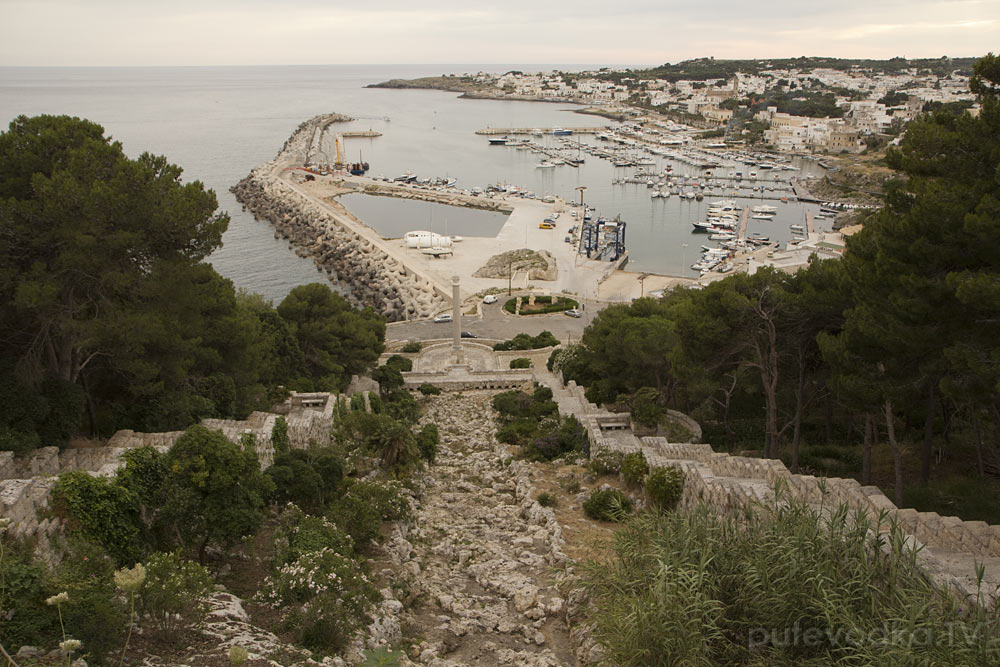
{"points": [[349, 253]]}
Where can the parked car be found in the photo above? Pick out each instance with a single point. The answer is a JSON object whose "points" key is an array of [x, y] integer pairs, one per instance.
{"points": [[444, 317], [490, 298], [469, 334], [573, 312]]}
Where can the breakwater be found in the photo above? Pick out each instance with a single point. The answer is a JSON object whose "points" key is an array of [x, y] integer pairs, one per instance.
{"points": [[350, 253]]}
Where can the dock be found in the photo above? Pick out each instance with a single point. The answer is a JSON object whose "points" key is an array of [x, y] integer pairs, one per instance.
{"points": [[545, 130], [744, 220], [810, 227], [361, 133]]}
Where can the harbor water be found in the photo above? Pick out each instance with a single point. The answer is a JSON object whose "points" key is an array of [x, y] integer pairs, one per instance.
{"points": [[220, 122]]}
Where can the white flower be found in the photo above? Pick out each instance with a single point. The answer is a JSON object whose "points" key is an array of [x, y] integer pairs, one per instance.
{"points": [[70, 645], [61, 598], [129, 580]]}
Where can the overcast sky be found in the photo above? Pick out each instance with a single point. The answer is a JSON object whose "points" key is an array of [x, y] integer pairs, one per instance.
{"points": [[280, 32]]}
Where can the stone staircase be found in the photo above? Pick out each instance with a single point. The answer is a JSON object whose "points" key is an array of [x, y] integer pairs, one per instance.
{"points": [[948, 549]]}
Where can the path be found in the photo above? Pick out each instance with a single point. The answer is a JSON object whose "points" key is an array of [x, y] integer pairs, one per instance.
{"points": [[483, 551]]}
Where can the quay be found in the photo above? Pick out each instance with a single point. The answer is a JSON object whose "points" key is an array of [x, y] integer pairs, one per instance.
{"points": [[545, 130]]}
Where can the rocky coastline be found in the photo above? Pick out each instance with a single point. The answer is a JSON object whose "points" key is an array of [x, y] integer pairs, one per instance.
{"points": [[374, 278]]}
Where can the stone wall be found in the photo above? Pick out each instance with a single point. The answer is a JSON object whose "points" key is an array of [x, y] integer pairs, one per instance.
{"points": [[25, 484], [375, 278], [949, 548]]}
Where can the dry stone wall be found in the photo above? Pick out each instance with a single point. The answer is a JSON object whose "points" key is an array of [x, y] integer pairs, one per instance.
{"points": [[375, 278], [950, 548], [26, 484]]}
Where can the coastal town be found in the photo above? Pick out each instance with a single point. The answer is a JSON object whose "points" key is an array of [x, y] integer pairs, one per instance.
{"points": [[839, 110]]}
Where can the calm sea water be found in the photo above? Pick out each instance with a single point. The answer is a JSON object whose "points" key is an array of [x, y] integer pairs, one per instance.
{"points": [[220, 122]]}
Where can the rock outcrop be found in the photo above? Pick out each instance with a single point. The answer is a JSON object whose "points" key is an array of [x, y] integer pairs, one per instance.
{"points": [[540, 264]]}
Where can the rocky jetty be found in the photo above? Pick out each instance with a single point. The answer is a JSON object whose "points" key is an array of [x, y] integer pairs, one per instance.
{"points": [[374, 277]]}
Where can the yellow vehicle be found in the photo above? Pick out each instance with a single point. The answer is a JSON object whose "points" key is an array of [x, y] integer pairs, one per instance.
{"points": [[546, 225]]}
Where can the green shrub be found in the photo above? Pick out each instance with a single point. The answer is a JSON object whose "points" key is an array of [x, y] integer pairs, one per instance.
{"points": [[608, 504], [413, 347], [428, 389], [279, 436], [634, 469], [546, 302], [401, 405], [375, 403], [428, 439], [173, 594], [573, 486], [606, 462], [358, 403], [664, 486], [25, 618], [546, 499], [520, 362], [389, 378], [329, 595], [363, 506], [306, 477], [95, 614], [402, 364], [299, 533], [523, 341], [105, 513]]}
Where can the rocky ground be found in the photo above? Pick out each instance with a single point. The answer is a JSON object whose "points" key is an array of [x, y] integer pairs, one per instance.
{"points": [[483, 557]]}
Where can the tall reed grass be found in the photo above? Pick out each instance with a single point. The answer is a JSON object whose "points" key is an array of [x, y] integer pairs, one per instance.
{"points": [[783, 585]]}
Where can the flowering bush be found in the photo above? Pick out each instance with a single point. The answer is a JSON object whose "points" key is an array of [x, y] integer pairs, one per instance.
{"points": [[328, 595], [299, 533], [173, 592]]}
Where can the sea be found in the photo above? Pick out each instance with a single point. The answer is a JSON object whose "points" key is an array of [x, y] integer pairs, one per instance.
{"points": [[217, 123]]}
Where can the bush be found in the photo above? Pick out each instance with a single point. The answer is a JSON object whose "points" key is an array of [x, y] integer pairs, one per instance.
{"points": [[664, 486], [106, 513], [375, 403], [428, 389], [25, 620], [279, 436], [402, 406], [331, 595], [520, 362], [363, 506], [358, 403], [607, 505], [402, 364], [389, 378], [523, 341], [299, 533], [413, 347], [173, 594], [543, 304], [546, 499], [634, 469], [306, 477], [606, 462], [94, 614], [427, 442]]}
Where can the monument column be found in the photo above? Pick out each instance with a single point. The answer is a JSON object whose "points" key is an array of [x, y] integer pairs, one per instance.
{"points": [[456, 317]]}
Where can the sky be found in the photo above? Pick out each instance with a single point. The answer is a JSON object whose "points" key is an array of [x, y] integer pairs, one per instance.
{"points": [[633, 32]]}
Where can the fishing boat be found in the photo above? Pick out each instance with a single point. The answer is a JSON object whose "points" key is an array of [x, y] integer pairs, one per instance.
{"points": [[796, 228]]}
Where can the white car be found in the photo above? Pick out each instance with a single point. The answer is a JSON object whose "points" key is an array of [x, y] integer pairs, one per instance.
{"points": [[445, 317], [490, 298], [573, 312]]}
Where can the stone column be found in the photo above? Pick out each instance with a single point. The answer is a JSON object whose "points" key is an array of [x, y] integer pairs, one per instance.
{"points": [[456, 317]]}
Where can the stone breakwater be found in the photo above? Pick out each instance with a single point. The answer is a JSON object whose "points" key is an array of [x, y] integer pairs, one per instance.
{"points": [[335, 243]]}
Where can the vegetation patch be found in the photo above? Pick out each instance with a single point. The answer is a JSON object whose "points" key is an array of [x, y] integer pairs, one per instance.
{"points": [[543, 304]]}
